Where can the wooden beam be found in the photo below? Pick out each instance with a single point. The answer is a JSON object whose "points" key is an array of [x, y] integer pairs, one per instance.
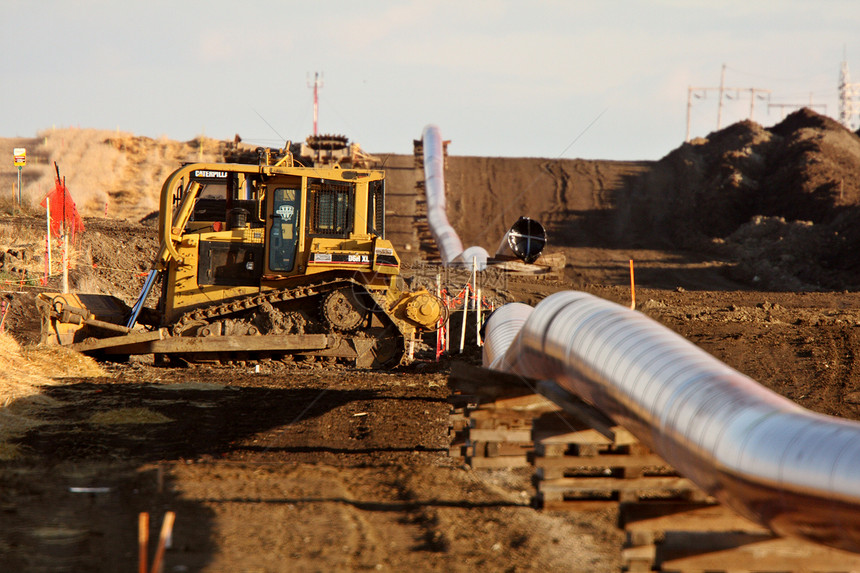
{"points": [[236, 343], [166, 533], [609, 484], [659, 517], [685, 551], [600, 461], [160, 342], [100, 344], [142, 541]]}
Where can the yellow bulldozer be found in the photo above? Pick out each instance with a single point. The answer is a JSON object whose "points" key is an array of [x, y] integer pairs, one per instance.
{"points": [[272, 259]]}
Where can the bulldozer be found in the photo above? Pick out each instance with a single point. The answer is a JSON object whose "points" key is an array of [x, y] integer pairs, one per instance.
{"points": [[267, 259]]}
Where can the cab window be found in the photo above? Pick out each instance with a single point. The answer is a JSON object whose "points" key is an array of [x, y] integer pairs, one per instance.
{"points": [[330, 208], [376, 208], [284, 233]]}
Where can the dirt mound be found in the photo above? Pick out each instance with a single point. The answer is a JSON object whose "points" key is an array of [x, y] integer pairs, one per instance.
{"points": [[783, 201], [813, 168], [111, 257], [115, 258], [107, 172], [23, 376]]}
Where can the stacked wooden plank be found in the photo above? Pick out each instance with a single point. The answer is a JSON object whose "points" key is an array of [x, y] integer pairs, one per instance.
{"points": [[580, 458], [697, 537], [426, 243], [580, 468], [548, 266], [500, 433]]}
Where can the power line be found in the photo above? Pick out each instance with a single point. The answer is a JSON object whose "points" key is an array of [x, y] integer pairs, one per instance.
{"points": [[723, 93], [270, 126], [796, 106]]}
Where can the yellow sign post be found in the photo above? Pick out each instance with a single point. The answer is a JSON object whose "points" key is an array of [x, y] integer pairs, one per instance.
{"points": [[19, 155]]}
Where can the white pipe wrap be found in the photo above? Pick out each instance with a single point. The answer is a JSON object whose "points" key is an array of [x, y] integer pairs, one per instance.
{"points": [[790, 469], [447, 240], [507, 321], [477, 254]]}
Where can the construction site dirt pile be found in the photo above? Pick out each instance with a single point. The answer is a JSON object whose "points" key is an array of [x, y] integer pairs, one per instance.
{"points": [[780, 202]]}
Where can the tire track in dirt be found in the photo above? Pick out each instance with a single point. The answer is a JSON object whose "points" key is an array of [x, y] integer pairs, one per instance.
{"points": [[559, 203], [307, 512], [837, 373]]}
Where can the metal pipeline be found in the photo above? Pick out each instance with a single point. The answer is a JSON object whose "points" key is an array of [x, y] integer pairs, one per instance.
{"points": [[525, 239], [795, 471], [443, 233], [447, 239], [501, 329]]}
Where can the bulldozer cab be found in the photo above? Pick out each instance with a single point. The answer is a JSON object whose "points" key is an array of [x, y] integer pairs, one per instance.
{"points": [[237, 229]]}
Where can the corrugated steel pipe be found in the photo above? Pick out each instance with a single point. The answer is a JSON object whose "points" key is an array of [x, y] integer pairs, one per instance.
{"points": [[790, 469]]}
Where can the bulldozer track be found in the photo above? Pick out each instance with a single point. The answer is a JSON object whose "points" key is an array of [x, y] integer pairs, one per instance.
{"points": [[253, 304]]}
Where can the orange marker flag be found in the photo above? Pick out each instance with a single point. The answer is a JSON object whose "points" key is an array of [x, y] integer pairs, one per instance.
{"points": [[63, 209]]}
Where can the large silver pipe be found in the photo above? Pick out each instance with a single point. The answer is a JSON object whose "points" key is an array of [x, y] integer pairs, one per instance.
{"points": [[447, 240], [503, 328], [792, 470], [525, 239]]}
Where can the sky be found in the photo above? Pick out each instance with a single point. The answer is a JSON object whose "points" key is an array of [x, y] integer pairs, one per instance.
{"points": [[543, 78]]}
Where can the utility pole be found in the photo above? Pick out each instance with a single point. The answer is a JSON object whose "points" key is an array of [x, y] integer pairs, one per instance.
{"points": [[316, 85], [723, 92], [849, 104]]}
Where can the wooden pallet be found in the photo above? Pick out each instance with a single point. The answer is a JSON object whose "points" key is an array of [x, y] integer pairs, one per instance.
{"points": [[550, 266], [580, 457], [458, 424], [580, 493], [578, 467], [706, 537], [499, 433], [495, 417]]}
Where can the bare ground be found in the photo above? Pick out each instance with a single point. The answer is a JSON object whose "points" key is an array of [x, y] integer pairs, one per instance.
{"points": [[309, 469]]}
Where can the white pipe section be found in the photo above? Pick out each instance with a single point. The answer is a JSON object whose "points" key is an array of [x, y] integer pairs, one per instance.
{"points": [[478, 254], [447, 240], [444, 234], [506, 323], [792, 470]]}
